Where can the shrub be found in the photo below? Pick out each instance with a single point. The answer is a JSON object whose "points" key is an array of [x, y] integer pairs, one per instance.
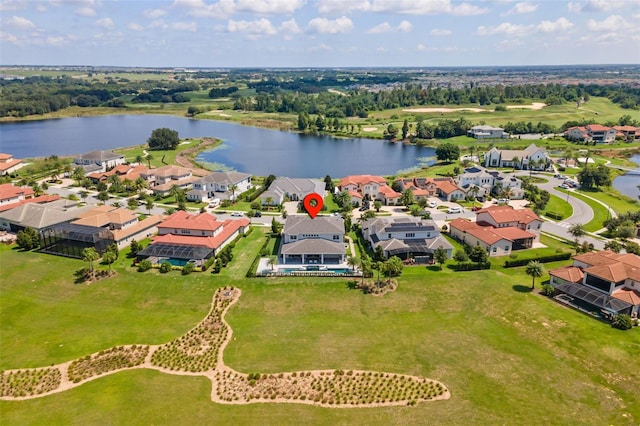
{"points": [[470, 266], [165, 267], [543, 259], [144, 265], [622, 322], [548, 290]]}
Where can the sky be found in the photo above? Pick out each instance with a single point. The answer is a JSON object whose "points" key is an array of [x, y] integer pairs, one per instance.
{"points": [[318, 33]]}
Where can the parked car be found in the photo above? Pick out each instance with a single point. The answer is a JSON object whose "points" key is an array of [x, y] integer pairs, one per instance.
{"points": [[363, 208], [236, 214], [503, 201], [564, 186], [214, 203], [432, 204], [453, 210]]}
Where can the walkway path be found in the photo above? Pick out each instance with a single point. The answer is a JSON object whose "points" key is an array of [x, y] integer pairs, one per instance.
{"points": [[200, 353]]}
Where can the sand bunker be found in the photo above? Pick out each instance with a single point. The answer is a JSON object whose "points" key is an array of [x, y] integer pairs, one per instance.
{"points": [[224, 115], [369, 129], [535, 105]]}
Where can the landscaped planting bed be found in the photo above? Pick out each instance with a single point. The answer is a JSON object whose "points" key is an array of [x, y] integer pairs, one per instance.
{"points": [[197, 350], [111, 359], [328, 388], [20, 383]]}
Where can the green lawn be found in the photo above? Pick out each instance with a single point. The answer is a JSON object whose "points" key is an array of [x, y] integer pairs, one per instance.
{"points": [[508, 356], [600, 212], [558, 206]]}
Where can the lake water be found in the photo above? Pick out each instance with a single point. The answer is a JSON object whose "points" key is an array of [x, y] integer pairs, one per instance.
{"points": [[628, 183], [245, 149]]}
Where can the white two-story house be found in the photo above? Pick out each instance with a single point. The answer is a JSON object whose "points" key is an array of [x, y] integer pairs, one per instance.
{"points": [[312, 241], [222, 185]]}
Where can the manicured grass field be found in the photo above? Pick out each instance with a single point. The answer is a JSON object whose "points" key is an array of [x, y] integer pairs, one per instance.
{"points": [[558, 206], [509, 356]]}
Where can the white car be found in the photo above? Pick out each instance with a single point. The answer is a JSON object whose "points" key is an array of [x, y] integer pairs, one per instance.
{"points": [[236, 214], [432, 204], [452, 210]]}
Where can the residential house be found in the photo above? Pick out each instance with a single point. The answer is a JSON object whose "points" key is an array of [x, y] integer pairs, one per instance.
{"points": [[418, 193], [497, 241], [532, 157], [292, 189], [312, 241], [489, 181], [591, 133], [40, 216], [487, 132], [405, 237], [102, 161], [627, 133], [443, 187], [10, 194], [369, 188], [222, 185], [604, 282], [123, 171], [98, 227], [162, 179], [186, 237], [8, 164], [506, 216]]}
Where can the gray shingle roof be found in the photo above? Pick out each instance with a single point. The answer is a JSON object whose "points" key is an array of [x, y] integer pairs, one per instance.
{"points": [[303, 224], [313, 246], [224, 178], [99, 156], [40, 216]]}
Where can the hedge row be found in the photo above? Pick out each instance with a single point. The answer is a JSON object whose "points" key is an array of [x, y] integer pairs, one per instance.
{"points": [[543, 259], [251, 273], [470, 266]]}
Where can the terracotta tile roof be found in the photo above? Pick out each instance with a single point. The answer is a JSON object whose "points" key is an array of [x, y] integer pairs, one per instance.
{"points": [[180, 182], [39, 200], [388, 192], [229, 227], [628, 295], [4, 157], [184, 220], [7, 164], [8, 191], [597, 128], [170, 170], [489, 234], [446, 186], [361, 180], [506, 214], [568, 273], [605, 257], [355, 194], [101, 218], [625, 128]]}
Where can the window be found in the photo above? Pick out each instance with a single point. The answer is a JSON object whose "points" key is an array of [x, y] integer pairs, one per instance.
{"points": [[336, 237], [294, 237], [506, 248], [410, 235], [495, 249], [389, 236]]}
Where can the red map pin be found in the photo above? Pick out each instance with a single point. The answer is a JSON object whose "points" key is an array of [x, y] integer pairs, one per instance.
{"points": [[313, 204]]}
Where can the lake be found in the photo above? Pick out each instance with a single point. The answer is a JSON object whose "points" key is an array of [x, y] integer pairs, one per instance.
{"points": [[628, 183], [245, 149]]}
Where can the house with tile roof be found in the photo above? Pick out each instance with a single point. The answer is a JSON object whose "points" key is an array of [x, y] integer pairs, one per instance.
{"points": [[317, 241], [99, 160], [162, 179], [8, 164], [123, 171], [98, 227], [10, 194], [184, 236], [219, 185], [591, 133], [604, 282], [506, 216], [496, 241], [40, 216], [442, 187], [292, 189], [532, 157], [405, 237], [627, 133], [490, 181], [370, 187]]}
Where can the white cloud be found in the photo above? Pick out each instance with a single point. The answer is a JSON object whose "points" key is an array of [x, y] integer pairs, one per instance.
{"points": [[105, 23], [10, 5], [411, 7], [184, 26], [613, 23], [134, 26], [466, 9], [269, 6], [405, 26], [342, 6], [154, 13], [601, 5], [10, 38], [19, 22], [320, 47], [55, 41], [505, 28], [290, 26], [330, 26], [226, 8], [221, 9], [561, 24], [437, 32], [447, 49], [86, 11], [522, 8], [253, 29], [380, 28]]}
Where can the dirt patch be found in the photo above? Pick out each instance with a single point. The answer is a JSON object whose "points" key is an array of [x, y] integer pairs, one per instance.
{"points": [[534, 105], [444, 109]]}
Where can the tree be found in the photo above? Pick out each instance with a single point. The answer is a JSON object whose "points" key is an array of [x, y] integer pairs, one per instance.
{"points": [[613, 245], [233, 189], [139, 158], [632, 247], [275, 226], [365, 266], [165, 267], [577, 231], [447, 152], [622, 322], [377, 205], [109, 257], [407, 197], [405, 129], [378, 254], [391, 132], [78, 174], [460, 256], [132, 203], [303, 121], [353, 262], [103, 196], [149, 205], [393, 267], [90, 255], [379, 266], [440, 256], [27, 239], [369, 214], [149, 157], [134, 248], [328, 184], [163, 139], [272, 261], [478, 254], [535, 270]]}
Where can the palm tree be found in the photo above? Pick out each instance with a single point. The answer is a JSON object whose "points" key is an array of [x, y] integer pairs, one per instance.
{"points": [[577, 231], [90, 255], [84, 194], [109, 257], [508, 192], [272, 261], [353, 262], [149, 157], [149, 205], [535, 270], [139, 159], [175, 191], [365, 266], [379, 267], [474, 193], [233, 192]]}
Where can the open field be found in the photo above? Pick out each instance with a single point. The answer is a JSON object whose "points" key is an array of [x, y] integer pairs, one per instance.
{"points": [[507, 355]]}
